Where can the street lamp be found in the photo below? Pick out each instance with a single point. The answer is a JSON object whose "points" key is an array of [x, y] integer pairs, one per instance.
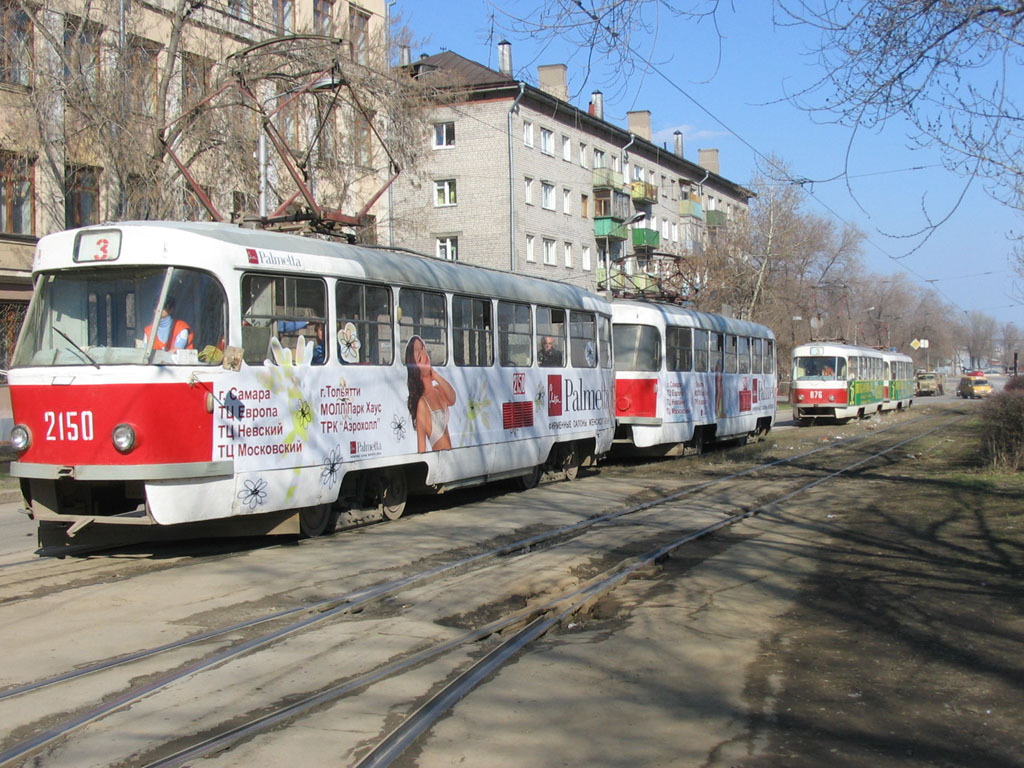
{"points": [[607, 249]]}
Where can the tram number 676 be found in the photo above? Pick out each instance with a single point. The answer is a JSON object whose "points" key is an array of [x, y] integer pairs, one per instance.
{"points": [[68, 425]]}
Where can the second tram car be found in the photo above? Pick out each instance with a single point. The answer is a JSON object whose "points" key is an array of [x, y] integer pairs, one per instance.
{"points": [[182, 372], [833, 380], [685, 378]]}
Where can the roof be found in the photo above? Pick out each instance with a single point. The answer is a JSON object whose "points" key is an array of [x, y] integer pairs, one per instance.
{"points": [[461, 70]]}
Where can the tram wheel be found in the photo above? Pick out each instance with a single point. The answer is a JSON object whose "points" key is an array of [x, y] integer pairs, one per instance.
{"points": [[315, 521], [530, 480], [392, 493], [697, 443], [570, 462]]}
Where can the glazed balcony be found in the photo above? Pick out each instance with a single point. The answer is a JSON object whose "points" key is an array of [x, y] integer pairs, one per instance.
{"points": [[643, 192], [611, 204]]}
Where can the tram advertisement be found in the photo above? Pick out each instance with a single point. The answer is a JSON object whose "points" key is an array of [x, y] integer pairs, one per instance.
{"points": [[704, 398]]}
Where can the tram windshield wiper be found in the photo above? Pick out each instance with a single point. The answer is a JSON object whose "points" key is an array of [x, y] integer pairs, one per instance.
{"points": [[74, 344]]}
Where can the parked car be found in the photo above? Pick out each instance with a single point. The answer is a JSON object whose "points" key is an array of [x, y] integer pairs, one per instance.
{"points": [[973, 386]]}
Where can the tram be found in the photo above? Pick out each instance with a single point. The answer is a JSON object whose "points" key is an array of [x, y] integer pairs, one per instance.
{"points": [[684, 378], [832, 380], [900, 381], [181, 372]]}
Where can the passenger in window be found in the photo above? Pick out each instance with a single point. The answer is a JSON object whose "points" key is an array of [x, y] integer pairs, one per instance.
{"points": [[549, 356], [319, 351], [170, 333], [430, 396]]}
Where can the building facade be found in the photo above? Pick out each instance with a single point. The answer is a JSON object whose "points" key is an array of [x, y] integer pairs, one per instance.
{"points": [[516, 178], [84, 85]]}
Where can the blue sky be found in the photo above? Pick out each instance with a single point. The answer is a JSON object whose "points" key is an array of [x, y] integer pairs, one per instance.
{"points": [[731, 96]]}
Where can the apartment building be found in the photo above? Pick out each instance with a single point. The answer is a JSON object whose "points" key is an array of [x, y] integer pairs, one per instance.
{"points": [[83, 85], [519, 179]]}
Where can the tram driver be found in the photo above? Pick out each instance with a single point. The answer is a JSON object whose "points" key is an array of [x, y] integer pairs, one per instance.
{"points": [[171, 333]]}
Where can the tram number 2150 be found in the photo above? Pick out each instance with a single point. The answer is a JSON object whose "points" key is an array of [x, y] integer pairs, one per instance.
{"points": [[68, 425]]}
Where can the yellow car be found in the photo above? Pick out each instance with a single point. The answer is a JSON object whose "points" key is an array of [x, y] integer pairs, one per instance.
{"points": [[974, 386]]}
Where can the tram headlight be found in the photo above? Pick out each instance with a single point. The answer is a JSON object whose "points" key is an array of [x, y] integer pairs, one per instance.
{"points": [[831, 398], [21, 438], [124, 437]]}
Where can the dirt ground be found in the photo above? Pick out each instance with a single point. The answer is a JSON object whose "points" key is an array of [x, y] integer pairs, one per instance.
{"points": [[906, 646]]}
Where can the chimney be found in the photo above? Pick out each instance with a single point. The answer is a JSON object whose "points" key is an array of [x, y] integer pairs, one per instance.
{"points": [[597, 105], [640, 123], [505, 58], [708, 158], [678, 148], [551, 79], [404, 56]]}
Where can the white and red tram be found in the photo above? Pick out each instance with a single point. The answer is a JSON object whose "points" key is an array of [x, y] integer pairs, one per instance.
{"points": [[685, 378], [833, 380], [313, 377]]}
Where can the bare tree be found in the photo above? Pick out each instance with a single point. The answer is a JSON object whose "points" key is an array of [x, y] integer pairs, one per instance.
{"points": [[979, 337], [1010, 342]]}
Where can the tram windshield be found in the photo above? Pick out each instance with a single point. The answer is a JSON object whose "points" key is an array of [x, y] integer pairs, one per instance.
{"points": [[819, 368], [104, 315], [636, 347]]}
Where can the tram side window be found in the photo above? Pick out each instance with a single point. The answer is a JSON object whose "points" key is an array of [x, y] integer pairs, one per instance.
{"points": [[365, 324], [637, 347], [582, 339], [679, 348], [717, 351], [472, 331], [291, 309], [756, 355], [550, 337], [769, 356], [604, 340], [743, 354], [700, 350], [424, 314], [515, 334]]}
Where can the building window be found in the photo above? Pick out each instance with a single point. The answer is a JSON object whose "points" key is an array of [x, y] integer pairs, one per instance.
{"points": [[362, 142], [448, 248], [284, 15], [547, 196], [444, 135], [566, 201], [323, 17], [15, 44], [531, 255], [585, 258], [549, 252], [616, 163], [547, 141], [81, 196], [17, 195], [195, 78], [141, 67], [566, 149], [583, 155], [81, 56], [359, 33], [638, 173], [600, 159], [527, 133], [585, 206], [444, 192], [567, 253], [528, 190], [240, 9]]}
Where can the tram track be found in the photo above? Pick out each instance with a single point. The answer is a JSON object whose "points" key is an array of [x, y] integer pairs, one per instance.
{"points": [[322, 611]]}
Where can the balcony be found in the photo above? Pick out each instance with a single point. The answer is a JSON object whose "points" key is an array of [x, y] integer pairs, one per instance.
{"points": [[691, 208], [611, 204], [606, 178], [643, 192], [646, 239], [610, 228], [717, 218]]}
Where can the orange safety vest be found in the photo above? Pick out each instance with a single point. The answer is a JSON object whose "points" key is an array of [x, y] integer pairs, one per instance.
{"points": [[179, 326]]}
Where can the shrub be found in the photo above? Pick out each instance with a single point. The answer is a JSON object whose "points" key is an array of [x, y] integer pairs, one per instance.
{"points": [[1014, 384], [1002, 428]]}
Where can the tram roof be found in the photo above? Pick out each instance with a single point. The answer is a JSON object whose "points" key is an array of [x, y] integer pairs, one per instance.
{"points": [[672, 314], [814, 348], [319, 257]]}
